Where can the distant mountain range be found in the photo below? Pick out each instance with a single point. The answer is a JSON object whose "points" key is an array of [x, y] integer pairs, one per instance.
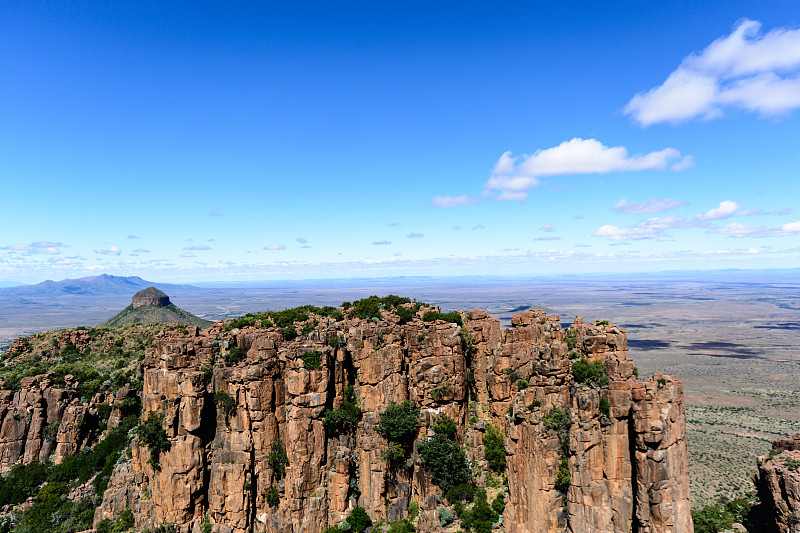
{"points": [[103, 285]]}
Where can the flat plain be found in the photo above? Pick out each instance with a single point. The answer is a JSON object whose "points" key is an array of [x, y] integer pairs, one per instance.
{"points": [[731, 336]]}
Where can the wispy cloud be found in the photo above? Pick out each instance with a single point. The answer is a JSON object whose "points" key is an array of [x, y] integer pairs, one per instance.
{"points": [[382, 243], [552, 238], [114, 250], [132, 236], [215, 213], [415, 235], [547, 228], [744, 70], [740, 231], [302, 240], [275, 247], [199, 247], [478, 227], [454, 201], [188, 254], [656, 205], [657, 227]]}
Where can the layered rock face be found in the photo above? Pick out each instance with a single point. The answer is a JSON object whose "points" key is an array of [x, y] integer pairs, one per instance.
{"points": [[623, 441], [778, 485], [150, 296], [629, 468]]}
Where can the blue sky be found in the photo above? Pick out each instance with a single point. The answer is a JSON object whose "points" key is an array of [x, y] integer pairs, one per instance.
{"points": [[201, 141]]}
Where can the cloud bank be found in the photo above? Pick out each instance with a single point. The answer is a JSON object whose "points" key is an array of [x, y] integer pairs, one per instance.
{"points": [[744, 70]]}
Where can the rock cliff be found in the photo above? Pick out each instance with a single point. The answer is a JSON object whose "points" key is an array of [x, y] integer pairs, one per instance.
{"points": [[777, 483], [230, 395]]}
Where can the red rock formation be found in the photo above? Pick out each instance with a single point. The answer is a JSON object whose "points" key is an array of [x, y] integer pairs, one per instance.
{"points": [[626, 446]]}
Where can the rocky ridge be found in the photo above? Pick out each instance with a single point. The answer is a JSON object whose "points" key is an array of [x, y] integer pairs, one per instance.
{"points": [[625, 448]]}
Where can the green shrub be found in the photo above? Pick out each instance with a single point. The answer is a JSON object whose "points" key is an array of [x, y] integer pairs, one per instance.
{"points": [[345, 419], [151, 434], [337, 341], [50, 431], [522, 384], [289, 333], [401, 526], [445, 516], [494, 448], [312, 360], [452, 317], [721, 516], [463, 492], [445, 460], [399, 423], [499, 503], [571, 338], [558, 420], [224, 402], [534, 404], [278, 459], [593, 374], [481, 517], [359, 519], [406, 315], [563, 476], [272, 496], [601, 323], [446, 426], [308, 327], [234, 355], [605, 407]]}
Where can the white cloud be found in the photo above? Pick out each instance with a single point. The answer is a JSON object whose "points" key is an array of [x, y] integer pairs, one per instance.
{"points": [[382, 243], [739, 231], [478, 227], [453, 201], [512, 175], [132, 236], [188, 254], [726, 209], [275, 247], [114, 250], [621, 234], [746, 69], [553, 238], [656, 205], [657, 226], [201, 247], [301, 240], [548, 228], [141, 251], [415, 235]]}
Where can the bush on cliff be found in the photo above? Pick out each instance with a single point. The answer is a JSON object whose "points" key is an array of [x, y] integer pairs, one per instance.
{"points": [[399, 423], [345, 419], [494, 448], [721, 516], [151, 433], [558, 420], [593, 374], [444, 458], [278, 459], [433, 316]]}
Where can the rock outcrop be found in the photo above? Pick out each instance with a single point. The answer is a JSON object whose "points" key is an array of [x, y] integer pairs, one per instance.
{"points": [[778, 485], [623, 440], [150, 296]]}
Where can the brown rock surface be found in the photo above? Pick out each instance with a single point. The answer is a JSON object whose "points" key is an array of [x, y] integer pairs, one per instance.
{"points": [[628, 465]]}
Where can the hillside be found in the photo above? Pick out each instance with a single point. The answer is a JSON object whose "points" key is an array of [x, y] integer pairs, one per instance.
{"points": [[381, 411]]}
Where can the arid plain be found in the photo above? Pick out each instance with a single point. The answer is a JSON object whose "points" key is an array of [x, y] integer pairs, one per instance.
{"points": [[731, 336]]}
